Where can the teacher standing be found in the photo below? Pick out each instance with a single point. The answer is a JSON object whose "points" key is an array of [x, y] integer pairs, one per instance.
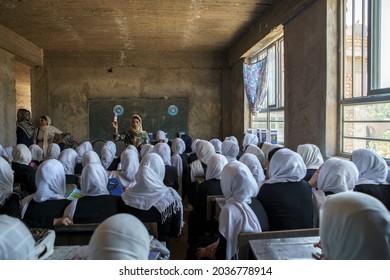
{"points": [[135, 135]]}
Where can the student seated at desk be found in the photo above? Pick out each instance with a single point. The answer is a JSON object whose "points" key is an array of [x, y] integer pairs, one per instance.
{"points": [[152, 201], [119, 237], [197, 219], [171, 179], [107, 155], [286, 197], [373, 174], [80, 150], [230, 150], [9, 201], [312, 158], [97, 204], [238, 187], [46, 206], [24, 174], [129, 167], [354, 226], [36, 154]]}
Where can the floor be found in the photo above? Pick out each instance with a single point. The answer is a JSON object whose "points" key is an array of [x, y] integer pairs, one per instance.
{"points": [[178, 245]]}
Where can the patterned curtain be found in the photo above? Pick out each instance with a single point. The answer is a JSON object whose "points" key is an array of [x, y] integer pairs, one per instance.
{"points": [[255, 83]]}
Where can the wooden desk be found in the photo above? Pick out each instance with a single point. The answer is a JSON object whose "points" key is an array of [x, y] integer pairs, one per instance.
{"points": [[284, 248]]}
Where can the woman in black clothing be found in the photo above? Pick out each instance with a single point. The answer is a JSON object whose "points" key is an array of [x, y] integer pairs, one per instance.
{"points": [[312, 158], [9, 201], [152, 201], [25, 130], [46, 206], [286, 197]]}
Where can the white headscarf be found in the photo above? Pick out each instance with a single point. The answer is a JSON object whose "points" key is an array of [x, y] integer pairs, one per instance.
{"points": [[53, 151], [249, 139], [16, 241], [119, 237], [286, 166], [107, 153], [68, 158], [129, 167], [6, 180], [36, 152], [146, 149], [230, 150], [160, 135], [238, 186], [252, 149], [231, 138], [93, 180], [216, 163], [1, 150], [204, 151], [311, 155], [50, 181], [193, 145], [254, 166], [217, 145], [7, 152], [21, 154], [337, 175], [372, 167], [178, 148], [268, 147], [90, 157], [164, 151], [354, 226], [150, 190], [82, 148]]}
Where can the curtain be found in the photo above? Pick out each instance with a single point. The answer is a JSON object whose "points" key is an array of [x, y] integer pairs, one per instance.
{"points": [[255, 83]]}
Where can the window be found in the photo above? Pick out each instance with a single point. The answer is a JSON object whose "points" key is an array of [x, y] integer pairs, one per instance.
{"points": [[269, 112], [365, 100]]}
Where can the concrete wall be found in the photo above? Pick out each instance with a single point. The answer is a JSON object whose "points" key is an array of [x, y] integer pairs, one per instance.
{"points": [[65, 90], [7, 99]]}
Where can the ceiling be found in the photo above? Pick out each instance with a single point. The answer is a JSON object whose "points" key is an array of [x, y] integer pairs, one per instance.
{"points": [[127, 25]]}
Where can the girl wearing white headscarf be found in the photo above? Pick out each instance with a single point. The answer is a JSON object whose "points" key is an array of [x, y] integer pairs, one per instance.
{"points": [[129, 167], [238, 187], [46, 133], [53, 151], [255, 150], [46, 206], [7, 152], [372, 167], [267, 147], [373, 175], [312, 158], [146, 149], [286, 197], [93, 187], [254, 166], [230, 150], [68, 158], [9, 201], [171, 178], [161, 137], [119, 237], [197, 220], [81, 150], [335, 176], [16, 241], [354, 226], [107, 156], [155, 200], [36, 154], [204, 151], [90, 157], [179, 161], [24, 173], [217, 145], [249, 139]]}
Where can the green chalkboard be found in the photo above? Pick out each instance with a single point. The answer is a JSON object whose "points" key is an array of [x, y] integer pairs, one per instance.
{"points": [[169, 115]]}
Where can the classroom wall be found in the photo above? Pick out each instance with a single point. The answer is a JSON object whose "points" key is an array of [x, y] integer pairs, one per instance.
{"points": [[7, 99], [67, 83]]}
